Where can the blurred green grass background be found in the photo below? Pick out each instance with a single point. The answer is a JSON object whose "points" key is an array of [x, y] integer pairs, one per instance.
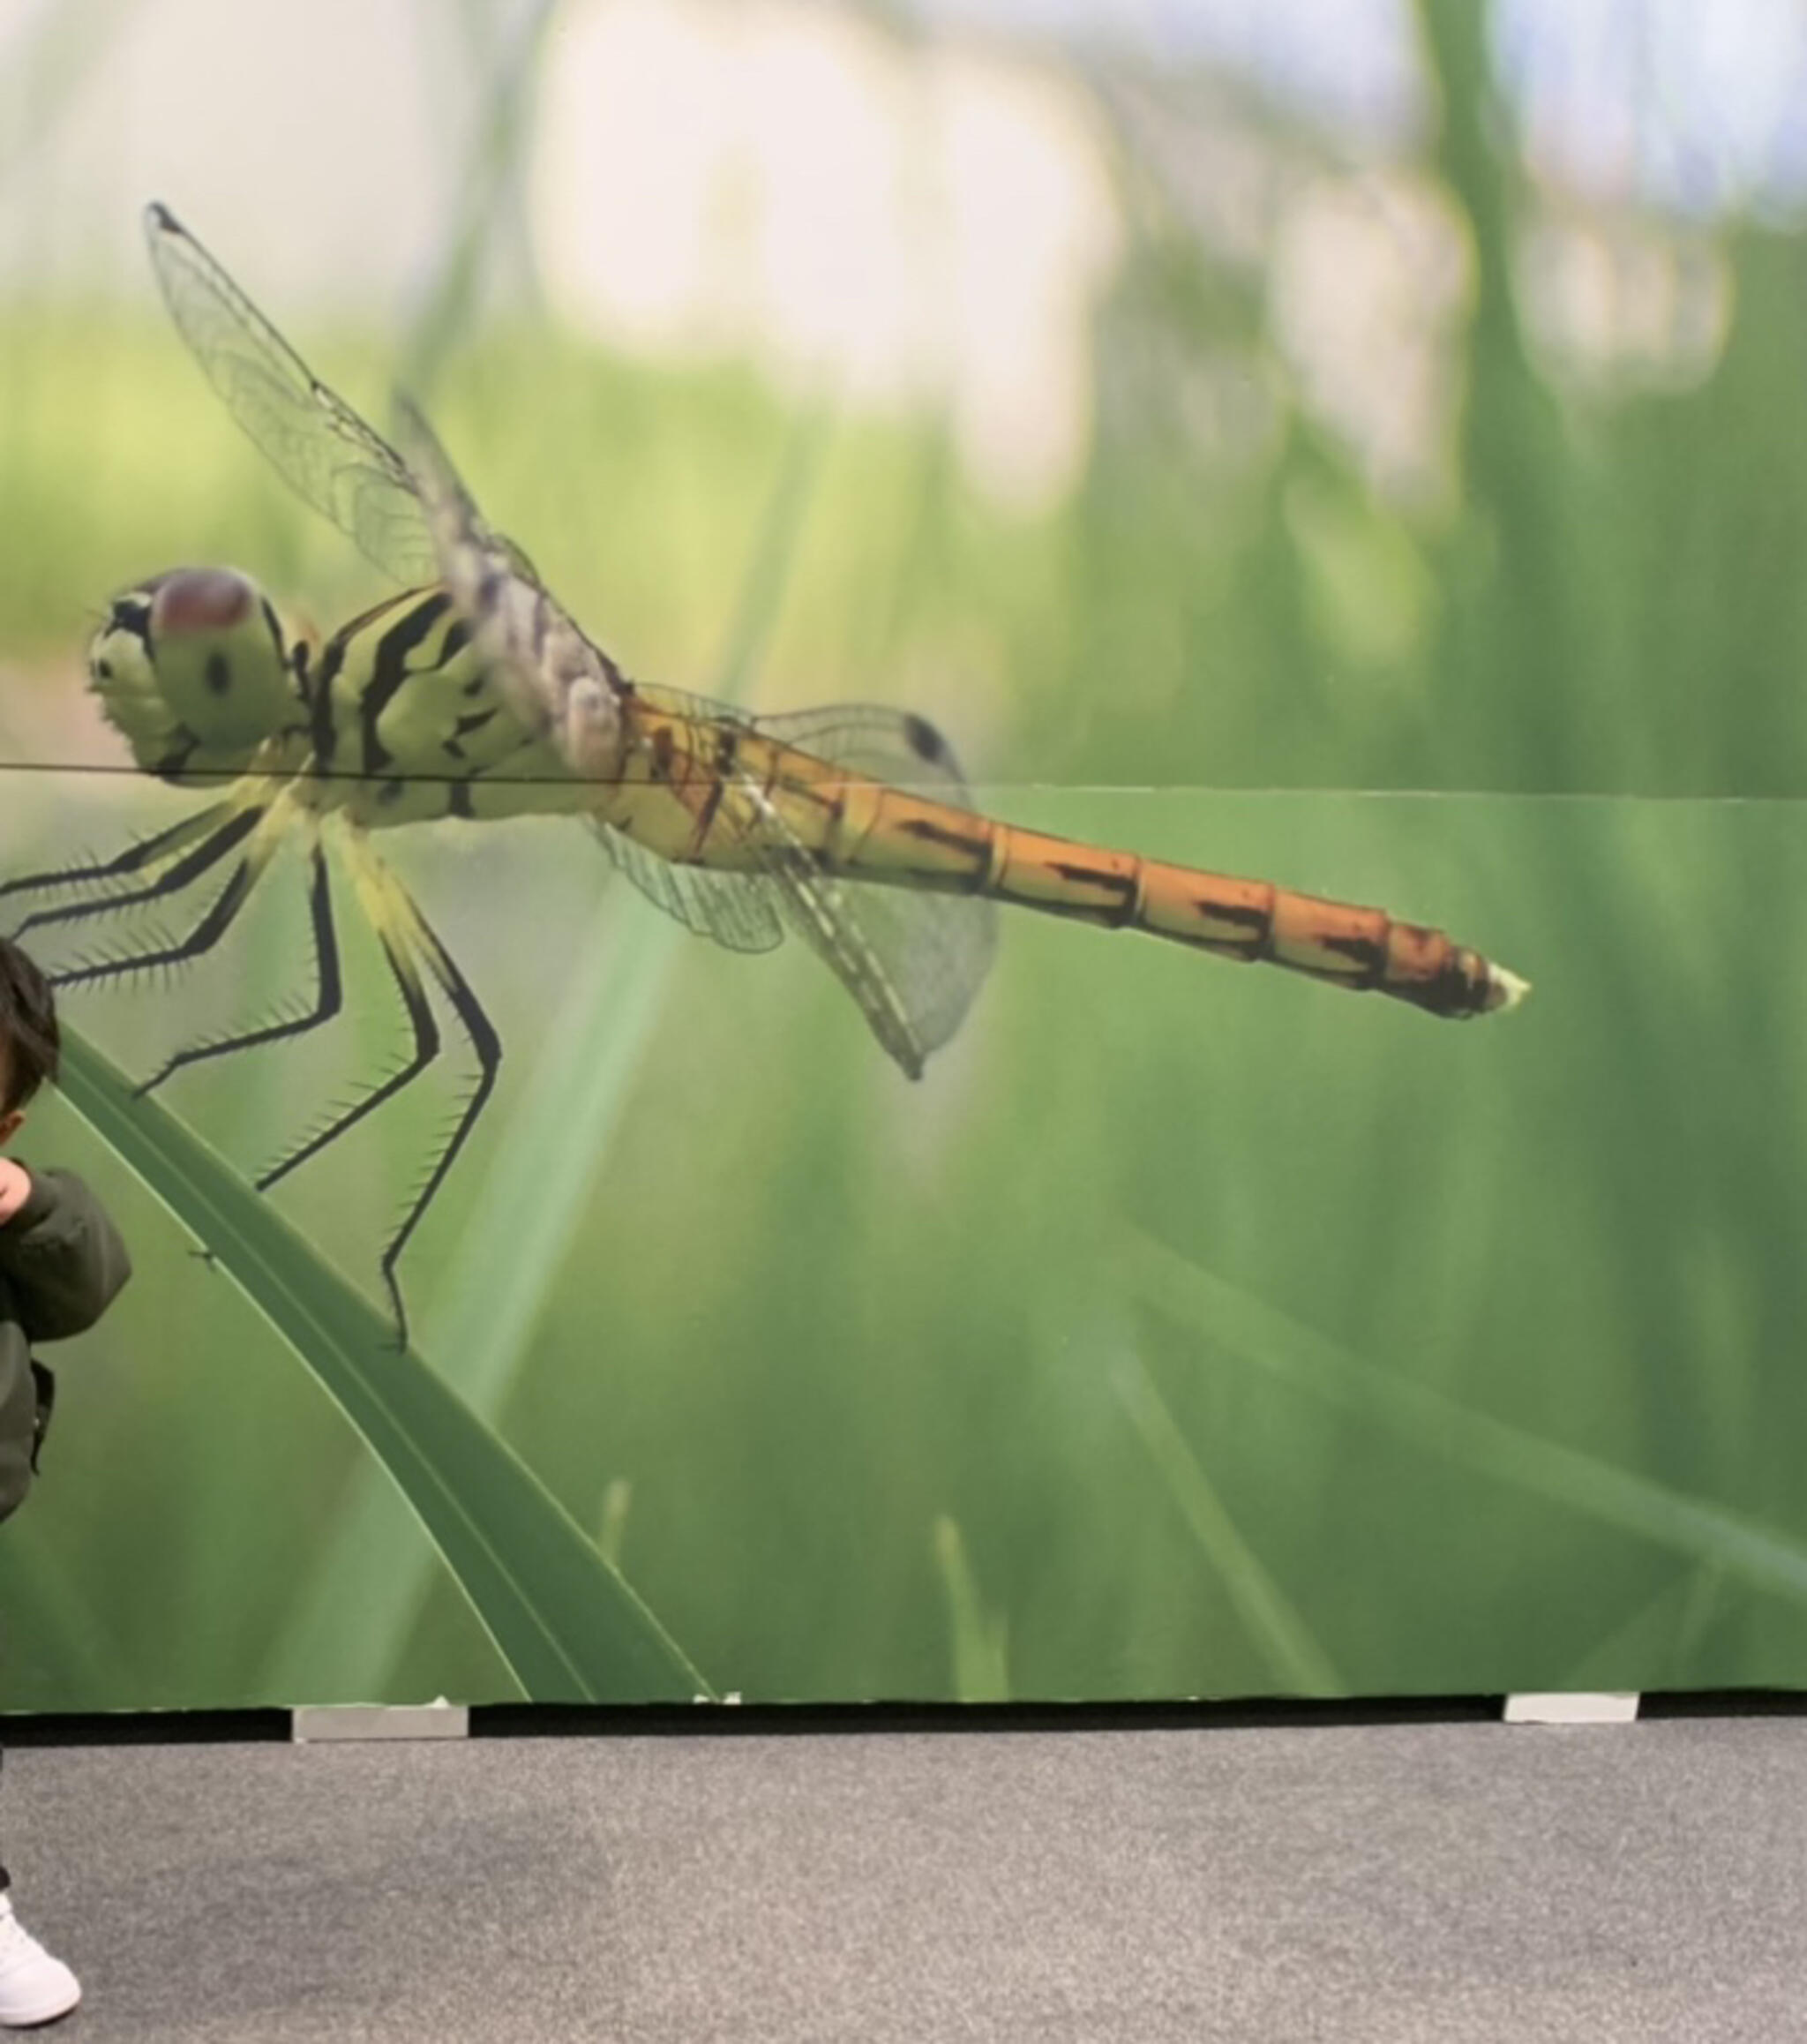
{"points": [[1187, 1331]]}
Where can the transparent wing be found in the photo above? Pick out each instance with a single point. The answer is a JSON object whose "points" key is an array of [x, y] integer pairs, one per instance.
{"points": [[558, 683], [565, 687], [868, 738], [934, 949], [923, 956], [738, 910], [914, 961], [323, 450]]}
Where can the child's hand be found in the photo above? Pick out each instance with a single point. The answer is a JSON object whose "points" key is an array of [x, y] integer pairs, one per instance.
{"points": [[15, 1189]]}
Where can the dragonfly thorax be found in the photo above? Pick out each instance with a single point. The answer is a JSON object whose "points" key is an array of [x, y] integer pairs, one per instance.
{"points": [[194, 670]]}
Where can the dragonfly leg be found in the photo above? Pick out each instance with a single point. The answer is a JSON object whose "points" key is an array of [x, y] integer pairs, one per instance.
{"points": [[177, 877], [422, 1027], [147, 851], [407, 942], [329, 979], [487, 1045]]}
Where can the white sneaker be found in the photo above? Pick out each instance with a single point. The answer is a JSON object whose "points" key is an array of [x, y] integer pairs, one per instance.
{"points": [[33, 1987]]}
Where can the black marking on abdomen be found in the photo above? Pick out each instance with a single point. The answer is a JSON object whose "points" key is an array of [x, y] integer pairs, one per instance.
{"points": [[1083, 876], [218, 674], [458, 802], [1358, 950], [1255, 921], [706, 816], [975, 845], [1125, 886], [727, 753]]}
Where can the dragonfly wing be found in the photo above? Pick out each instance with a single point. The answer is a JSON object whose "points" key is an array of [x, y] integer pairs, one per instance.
{"points": [[560, 685], [736, 909], [936, 948], [913, 964], [894, 746], [931, 953], [820, 909], [914, 961], [326, 453], [868, 738]]}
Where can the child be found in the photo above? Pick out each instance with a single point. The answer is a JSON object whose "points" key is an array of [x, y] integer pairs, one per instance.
{"points": [[61, 1262]]}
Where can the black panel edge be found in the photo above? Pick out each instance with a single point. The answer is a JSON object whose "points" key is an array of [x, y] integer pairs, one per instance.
{"points": [[769, 1720], [1723, 1703], [765, 1720], [145, 1727]]}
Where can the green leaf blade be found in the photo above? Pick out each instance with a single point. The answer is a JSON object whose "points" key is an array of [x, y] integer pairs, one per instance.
{"points": [[569, 1627]]}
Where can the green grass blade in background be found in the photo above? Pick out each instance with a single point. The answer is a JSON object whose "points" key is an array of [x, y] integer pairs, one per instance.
{"points": [[1249, 1329], [768, 572], [347, 1629], [1651, 1637], [492, 174], [44, 67], [611, 1532], [978, 1638], [348, 1626], [565, 1623], [1301, 1665]]}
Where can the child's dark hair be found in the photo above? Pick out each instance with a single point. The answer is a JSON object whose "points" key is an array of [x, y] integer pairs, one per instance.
{"points": [[28, 1033]]}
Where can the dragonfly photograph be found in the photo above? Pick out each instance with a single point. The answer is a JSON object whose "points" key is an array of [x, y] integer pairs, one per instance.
{"points": [[985, 529], [475, 698]]}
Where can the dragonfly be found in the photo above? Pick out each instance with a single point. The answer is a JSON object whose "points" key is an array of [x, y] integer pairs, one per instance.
{"points": [[473, 696]]}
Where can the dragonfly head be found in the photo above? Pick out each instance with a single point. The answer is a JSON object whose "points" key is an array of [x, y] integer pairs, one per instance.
{"points": [[194, 670]]}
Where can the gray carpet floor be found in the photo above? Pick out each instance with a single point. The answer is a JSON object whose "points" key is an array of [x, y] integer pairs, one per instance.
{"points": [[1364, 1885]]}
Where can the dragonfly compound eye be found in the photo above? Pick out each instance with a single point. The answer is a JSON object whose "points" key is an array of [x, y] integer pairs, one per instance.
{"points": [[192, 669], [220, 660]]}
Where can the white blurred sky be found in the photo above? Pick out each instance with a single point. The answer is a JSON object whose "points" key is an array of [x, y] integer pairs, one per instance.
{"points": [[894, 220], [333, 130], [926, 227]]}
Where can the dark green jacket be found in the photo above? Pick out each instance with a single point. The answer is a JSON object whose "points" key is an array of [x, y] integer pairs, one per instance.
{"points": [[61, 1262]]}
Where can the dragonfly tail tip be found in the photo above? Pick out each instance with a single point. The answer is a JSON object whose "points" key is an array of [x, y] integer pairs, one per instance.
{"points": [[1508, 989]]}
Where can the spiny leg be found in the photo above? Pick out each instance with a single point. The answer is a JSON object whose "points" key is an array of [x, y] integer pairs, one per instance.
{"points": [[134, 859], [407, 940], [328, 980], [174, 879], [219, 917], [422, 1027], [484, 1042]]}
